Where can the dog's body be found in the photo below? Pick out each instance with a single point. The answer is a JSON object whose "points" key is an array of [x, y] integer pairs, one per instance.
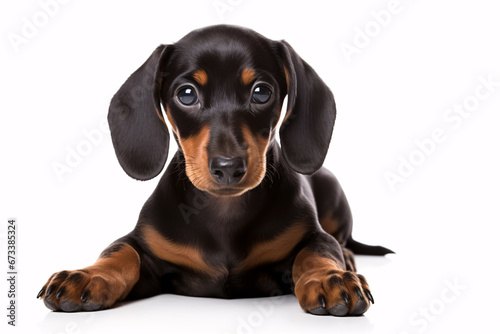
{"points": [[233, 215]]}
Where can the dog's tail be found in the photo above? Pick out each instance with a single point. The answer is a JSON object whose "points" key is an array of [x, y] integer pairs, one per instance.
{"points": [[362, 249]]}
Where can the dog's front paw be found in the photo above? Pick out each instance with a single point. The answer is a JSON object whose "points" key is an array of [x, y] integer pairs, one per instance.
{"points": [[335, 292], [88, 289]]}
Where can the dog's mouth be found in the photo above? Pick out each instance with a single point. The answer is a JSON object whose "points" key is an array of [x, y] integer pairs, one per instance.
{"points": [[227, 191], [204, 180]]}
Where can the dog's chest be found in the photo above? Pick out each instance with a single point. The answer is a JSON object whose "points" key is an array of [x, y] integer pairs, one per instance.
{"points": [[256, 282], [239, 267]]}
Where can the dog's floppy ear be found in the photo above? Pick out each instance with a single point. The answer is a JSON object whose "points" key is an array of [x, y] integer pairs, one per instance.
{"points": [[138, 130], [308, 124]]}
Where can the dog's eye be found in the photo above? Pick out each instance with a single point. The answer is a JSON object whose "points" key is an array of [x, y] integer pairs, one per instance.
{"points": [[261, 94], [187, 96]]}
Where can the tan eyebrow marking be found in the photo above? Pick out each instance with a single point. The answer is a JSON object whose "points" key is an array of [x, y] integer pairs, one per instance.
{"points": [[201, 77], [247, 76]]}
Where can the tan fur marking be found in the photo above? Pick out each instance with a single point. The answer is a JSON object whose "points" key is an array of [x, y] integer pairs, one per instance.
{"points": [[160, 116], [278, 115], [349, 260], [307, 264], [195, 152], [308, 272], [171, 121], [275, 249], [318, 279], [256, 160], [201, 77], [329, 224], [184, 255], [124, 264], [247, 76], [287, 77], [108, 280]]}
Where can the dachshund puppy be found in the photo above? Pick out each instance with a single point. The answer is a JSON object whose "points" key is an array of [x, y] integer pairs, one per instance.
{"points": [[235, 214]]}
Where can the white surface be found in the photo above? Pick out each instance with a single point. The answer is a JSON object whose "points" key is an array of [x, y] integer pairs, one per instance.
{"points": [[441, 221]]}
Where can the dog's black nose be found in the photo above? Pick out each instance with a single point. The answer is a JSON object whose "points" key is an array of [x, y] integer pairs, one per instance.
{"points": [[227, 170]]}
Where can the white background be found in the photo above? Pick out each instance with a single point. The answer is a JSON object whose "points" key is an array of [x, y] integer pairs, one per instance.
{"points": [[396, 90]]}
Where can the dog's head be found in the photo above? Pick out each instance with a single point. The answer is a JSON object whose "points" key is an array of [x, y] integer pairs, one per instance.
{"points": [[222, 89]]}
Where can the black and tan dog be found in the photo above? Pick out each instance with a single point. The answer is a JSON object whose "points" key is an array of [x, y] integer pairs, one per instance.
{"points": [[234, 215]]}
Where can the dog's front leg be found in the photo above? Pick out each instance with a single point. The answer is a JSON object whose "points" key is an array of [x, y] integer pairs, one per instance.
{"points": [[96, 287], [323, 285]]}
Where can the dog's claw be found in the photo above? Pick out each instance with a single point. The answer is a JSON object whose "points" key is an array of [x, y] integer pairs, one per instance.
{"points": [[61, 292], [345, 297], [322, 301], [369, 295], [321, 310], [49, 291], [85, 296], [42, 291]]}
